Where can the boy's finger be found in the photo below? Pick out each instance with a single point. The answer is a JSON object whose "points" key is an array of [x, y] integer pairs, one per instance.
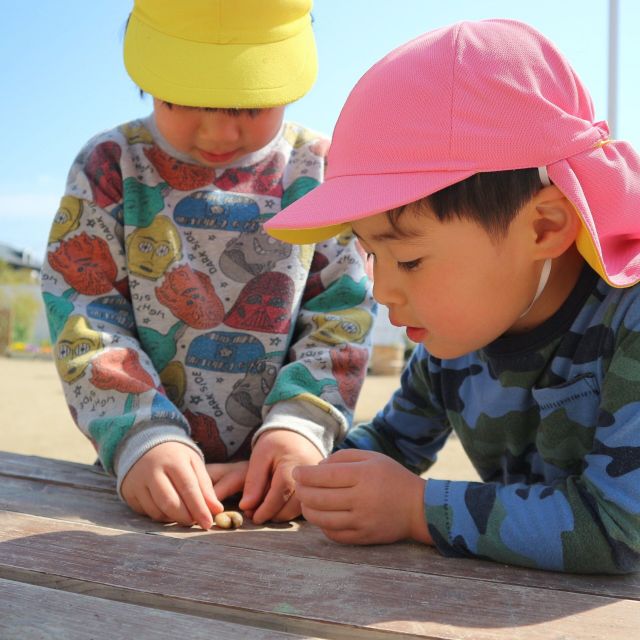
{"points": [[146, 506], [350, 455], [209, 494], [167, 498], [277, 497], [345, 536], [192, 500], [291, 510], [150, 508], [228, 485], [337, 475], [256, 483], [216, 471], [330, 520], [322, 499]]}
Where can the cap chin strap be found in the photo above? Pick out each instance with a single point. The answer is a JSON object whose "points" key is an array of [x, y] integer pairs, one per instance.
{"points": [[544, 176], [542, 283], [546, 267]]}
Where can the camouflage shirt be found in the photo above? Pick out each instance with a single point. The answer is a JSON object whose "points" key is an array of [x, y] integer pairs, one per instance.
{"points": [[551, 421]]}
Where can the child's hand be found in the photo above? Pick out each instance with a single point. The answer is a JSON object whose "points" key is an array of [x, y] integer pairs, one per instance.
{"points": [[228, 477], [363, 497], [269, 486], [169, 483]]}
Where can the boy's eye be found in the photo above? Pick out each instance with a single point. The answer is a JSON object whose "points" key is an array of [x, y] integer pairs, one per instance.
{"points": [[411, 265]]}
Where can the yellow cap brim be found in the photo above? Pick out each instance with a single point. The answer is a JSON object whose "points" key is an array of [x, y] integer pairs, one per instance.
{"points": [[201, 74], [307, 236]]}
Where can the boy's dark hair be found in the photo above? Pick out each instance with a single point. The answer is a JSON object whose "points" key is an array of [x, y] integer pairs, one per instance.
{"points": [[492, 199], [228, 110]]}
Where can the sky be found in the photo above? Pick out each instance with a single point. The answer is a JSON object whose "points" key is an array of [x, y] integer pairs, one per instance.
{"points": [[64, 80]]}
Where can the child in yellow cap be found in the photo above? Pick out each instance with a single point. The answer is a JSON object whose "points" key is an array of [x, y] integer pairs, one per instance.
{"points": [[185, 336]]}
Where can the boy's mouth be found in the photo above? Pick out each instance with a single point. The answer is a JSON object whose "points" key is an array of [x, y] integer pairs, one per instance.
{"points": [[216, 157], [416, 334]]}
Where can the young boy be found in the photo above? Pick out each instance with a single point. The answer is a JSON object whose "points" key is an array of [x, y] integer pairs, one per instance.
{"points": [[184, 333], [503, 228]]}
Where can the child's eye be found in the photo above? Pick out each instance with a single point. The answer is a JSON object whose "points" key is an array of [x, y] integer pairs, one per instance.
{"points": [[410, 265]]}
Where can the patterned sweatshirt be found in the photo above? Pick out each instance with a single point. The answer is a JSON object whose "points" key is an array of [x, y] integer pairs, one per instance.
{"points": [[175, 316], [551, 421]]}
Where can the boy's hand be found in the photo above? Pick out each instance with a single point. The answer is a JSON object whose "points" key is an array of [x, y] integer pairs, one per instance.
{"points": [[363, 497], [228, 477], [169, 483], [269, 486]]}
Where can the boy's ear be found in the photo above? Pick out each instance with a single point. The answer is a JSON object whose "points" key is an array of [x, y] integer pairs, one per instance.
{"points": [[554, 221]]}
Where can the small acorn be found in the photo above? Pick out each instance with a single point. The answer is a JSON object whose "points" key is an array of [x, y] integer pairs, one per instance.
{"points": [[228, 520]]}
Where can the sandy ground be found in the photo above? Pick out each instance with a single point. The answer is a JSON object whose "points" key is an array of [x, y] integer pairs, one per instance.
{"points": [[35, 420]]}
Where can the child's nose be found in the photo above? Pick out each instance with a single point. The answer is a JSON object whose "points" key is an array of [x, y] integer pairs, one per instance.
{"points": [[217, 126], [386, 289]]}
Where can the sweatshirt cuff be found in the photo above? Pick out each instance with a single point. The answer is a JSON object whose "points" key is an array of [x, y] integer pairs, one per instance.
{"points": [[323, 427], [139, 443]]}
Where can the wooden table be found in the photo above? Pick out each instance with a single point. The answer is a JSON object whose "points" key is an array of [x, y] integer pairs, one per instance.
{"points": [[76, 563]]}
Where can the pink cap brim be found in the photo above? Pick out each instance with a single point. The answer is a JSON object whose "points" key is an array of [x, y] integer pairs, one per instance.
{"points": [[343, 199], [605, 186]]}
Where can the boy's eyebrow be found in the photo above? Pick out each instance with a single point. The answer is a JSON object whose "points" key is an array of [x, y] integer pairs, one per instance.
{"points": [[380, 237]]}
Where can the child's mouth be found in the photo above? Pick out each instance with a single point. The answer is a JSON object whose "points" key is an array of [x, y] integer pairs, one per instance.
{"points": [[217, 157], [416, 334]]}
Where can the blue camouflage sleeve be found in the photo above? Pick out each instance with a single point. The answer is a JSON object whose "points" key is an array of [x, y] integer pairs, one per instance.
{"points": [[412, 427]]}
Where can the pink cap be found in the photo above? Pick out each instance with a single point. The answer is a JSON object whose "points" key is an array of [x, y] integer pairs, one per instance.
{"points": [[473, 97]]}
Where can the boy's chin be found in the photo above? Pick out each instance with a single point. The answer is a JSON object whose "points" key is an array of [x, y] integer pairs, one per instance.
{"points": [[447, 352]]}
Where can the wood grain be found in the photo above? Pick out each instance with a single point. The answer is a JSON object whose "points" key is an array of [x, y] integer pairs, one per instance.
{"points": [[52, 471], [299, 594], [29, 612], [75, 492]]}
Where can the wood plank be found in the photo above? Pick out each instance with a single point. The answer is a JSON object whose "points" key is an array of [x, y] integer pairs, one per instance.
{"points": [[29, 612], [58, 497], [55, 471], [304, 595]]}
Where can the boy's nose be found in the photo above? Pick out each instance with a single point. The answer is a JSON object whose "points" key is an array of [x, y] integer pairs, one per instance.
{"points": [[217, 126], [386, 290]]}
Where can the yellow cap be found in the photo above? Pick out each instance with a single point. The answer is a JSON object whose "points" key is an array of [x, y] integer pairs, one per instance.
{"points": [[222, 53]]}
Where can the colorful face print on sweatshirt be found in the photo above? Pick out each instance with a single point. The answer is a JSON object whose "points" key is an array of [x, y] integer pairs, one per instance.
{"points": [[224, 351], [77, 343], [245, 402], [252, 254], [342, 326], [191, 297], [263, 305], [105, 176], [153, 249], [86, 264], [67, 218], [219, 211]]}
